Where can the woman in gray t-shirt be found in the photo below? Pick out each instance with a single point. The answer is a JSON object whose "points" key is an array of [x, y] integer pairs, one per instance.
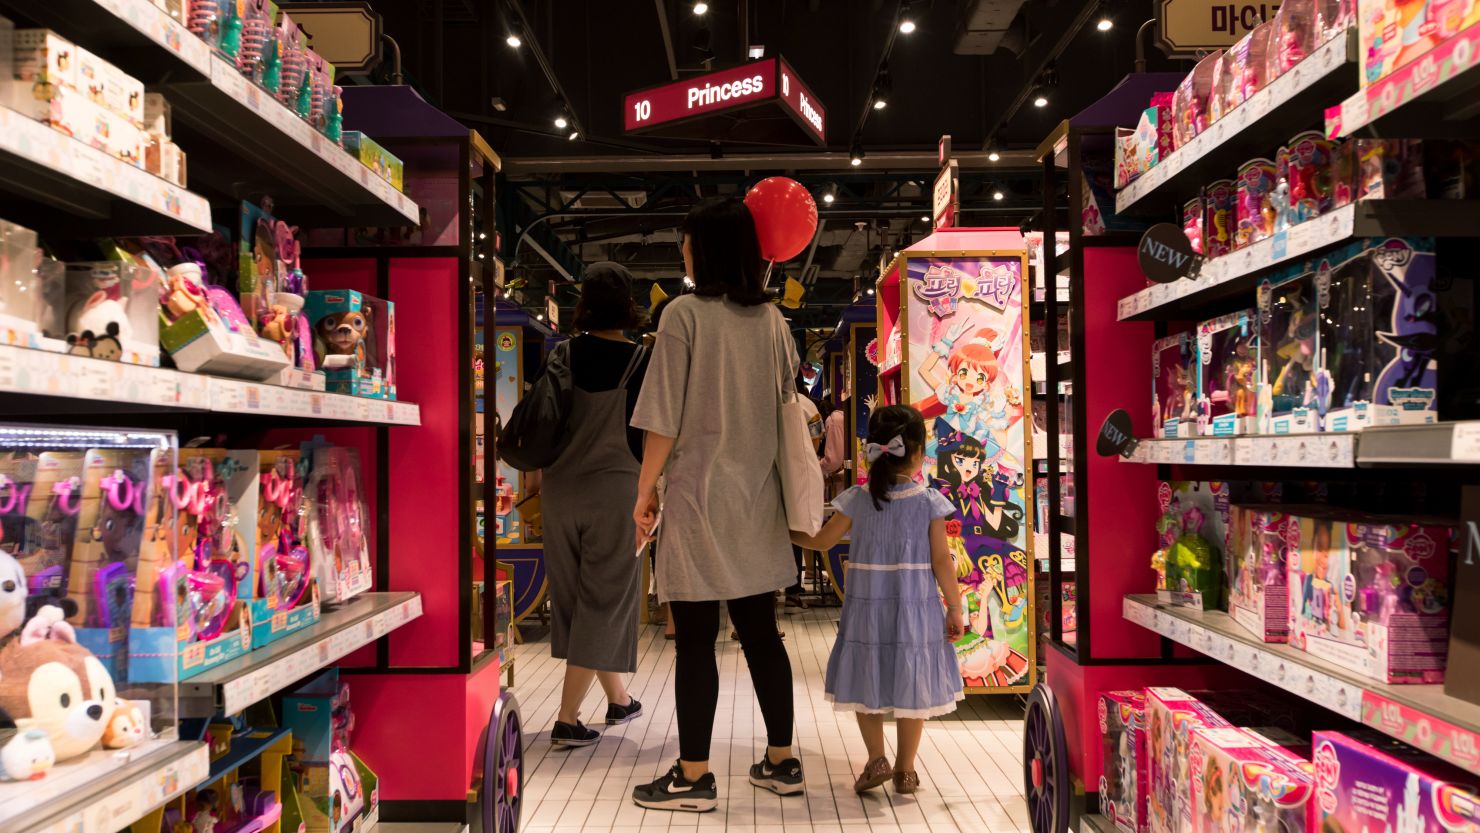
{"points": [[709, 406]]}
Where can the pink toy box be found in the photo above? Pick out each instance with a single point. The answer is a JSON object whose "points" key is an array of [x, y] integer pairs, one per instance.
{"points": [[1171, 715], [1371, 595], [1174, 369], [1365, 780], [1243, 781], [1123, 783], [1258, 597], [1394, 33]]}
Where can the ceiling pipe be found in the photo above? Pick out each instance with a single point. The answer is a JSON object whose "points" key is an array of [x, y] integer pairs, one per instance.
{"points": [[1141, 44], [545, 67], [1066, 38], [878, 161], [667, 39]]}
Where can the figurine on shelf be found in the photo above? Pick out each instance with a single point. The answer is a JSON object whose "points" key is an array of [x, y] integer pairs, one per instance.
{"points": [[1241, 383], [206, 813], [25, 755]]}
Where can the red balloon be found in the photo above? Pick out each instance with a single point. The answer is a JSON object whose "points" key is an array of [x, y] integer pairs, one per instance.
{"points": [[785, 217]]}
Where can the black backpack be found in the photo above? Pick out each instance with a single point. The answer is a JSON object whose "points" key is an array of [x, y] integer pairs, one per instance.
{"points": [[537, 432]]}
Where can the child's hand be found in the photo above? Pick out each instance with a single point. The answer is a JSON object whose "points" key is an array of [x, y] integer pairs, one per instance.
{"points": [[954, 624]]}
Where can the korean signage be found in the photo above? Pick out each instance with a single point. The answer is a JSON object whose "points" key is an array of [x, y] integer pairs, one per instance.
{"points": [[771, 80], [1186, 27], [943, 202]]}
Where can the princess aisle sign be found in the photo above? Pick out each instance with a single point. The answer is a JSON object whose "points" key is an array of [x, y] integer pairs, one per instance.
{"points": [[737, 105]]}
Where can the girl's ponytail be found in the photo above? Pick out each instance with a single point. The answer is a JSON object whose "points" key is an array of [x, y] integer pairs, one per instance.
{"points": [[896, 433]]}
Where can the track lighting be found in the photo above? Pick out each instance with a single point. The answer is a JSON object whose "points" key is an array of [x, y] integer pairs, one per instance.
{"points": [[993, 156], [828, 198], [574, 135], [561, 123], [1105, 24], [701, 8], [906, 25], [513, 41], [855, 154], [997, 194], [880, 104], [1040, 98], [883, 88]]}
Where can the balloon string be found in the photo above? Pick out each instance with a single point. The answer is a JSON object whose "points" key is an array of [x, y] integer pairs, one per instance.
{"points": [[766, 279]]}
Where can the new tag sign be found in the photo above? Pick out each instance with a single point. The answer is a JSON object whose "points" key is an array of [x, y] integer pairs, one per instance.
{"points": [[1116, 437], [1165, 254]]}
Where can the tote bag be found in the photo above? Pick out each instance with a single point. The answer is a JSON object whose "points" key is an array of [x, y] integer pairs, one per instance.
{"points": [[796, 462], [537, 431]]}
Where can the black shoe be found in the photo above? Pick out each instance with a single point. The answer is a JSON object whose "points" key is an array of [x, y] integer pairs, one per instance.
{"points": [[577, 734], [674, 792], [617, 715], [784, 778]]}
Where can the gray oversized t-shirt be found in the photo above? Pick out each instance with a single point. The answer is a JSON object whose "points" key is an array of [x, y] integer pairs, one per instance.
{"points": [[714, 384]]}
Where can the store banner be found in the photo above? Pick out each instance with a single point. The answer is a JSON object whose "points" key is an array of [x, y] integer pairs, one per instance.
{"points": [[1187, 27], [966, 373]]}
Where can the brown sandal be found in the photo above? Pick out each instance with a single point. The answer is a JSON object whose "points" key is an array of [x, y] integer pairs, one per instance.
{"points": [[875, 773], [906, 782]]}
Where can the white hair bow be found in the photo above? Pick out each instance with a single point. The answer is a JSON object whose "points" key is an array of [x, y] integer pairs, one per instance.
{"points": [[873, 451]]}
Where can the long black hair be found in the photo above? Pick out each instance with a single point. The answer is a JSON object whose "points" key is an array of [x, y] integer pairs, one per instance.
{"points": [[727, 253], [954, 445], [884, 425]]}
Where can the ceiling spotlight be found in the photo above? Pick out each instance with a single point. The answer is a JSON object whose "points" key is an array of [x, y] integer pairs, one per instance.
{"points": [[997, 194], [1105, 24], [924, 218], [561, 123], [1040, 99], [871, 290], [499, 104], [756, 51], [880, 104], [540, 317], [574, 135], [906, 25], [513, 41], [855, 154], [994, 156], [828, 198], [701, 8]]}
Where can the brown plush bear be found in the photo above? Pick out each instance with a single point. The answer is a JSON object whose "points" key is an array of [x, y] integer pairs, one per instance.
{"points": [[49, 682]]}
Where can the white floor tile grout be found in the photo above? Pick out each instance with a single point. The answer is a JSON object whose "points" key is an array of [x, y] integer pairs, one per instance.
{"points": [[969, 764]]}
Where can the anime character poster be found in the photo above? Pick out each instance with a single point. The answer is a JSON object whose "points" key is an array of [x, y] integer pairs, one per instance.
{"points": [[965, 373], [507, 528], [864, 349]]}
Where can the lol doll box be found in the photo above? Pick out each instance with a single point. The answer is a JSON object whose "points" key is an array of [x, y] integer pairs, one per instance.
{"points": [[1228, 369], [1243, 781], [1171, 715], [1123, 783], [1366, 780], [1174, 386], [1379, 336], [1371, 594]]}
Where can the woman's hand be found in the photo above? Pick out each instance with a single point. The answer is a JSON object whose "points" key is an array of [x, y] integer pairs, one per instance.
{"points": [[645, 515], [955, 625]]}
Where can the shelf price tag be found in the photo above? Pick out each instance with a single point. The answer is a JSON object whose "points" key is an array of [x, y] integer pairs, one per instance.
{"points": [[1464, 444]]}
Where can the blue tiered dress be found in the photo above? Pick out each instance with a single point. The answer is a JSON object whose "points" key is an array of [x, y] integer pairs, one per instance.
{"points": [[891, 654]]}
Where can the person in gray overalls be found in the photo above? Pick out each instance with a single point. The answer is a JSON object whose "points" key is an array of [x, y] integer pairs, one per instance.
{"points": [[595, 580]]}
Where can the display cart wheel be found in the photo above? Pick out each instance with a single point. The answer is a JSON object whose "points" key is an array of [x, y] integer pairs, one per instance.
{"points": [[1045, 763], [501, 757]]}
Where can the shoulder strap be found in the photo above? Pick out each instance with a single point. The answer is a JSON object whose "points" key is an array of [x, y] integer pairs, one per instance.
{"points": [[632, 365]]}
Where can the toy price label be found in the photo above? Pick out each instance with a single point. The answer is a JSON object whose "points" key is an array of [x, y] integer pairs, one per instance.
{"points": [[1464, 444], [1430, 733]]}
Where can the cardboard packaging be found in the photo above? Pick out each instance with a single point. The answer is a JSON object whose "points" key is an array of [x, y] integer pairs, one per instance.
{"points": [[1366, 780], [1123, 785]]}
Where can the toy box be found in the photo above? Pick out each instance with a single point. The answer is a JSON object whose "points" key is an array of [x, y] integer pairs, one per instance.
{"points": [[286, 598], [1219, 199], [1228, 369], [158, 115], [45, 494], [1190, 101], [1123, 782], [110, 87], [1171, 715], [112, 312], [1193, 531], [198, 337], [1289, 347], [382, 162], [1254, 207], [189, 614], [336, 533], [354, 339], [1138, 150], [1258, 596], [110, 529], [319, 715], [1174, 391], [1241, 781], [1394, 33], [42, 58], [1371, 595], [1379, 336], [20, 286], [1365, 780]]}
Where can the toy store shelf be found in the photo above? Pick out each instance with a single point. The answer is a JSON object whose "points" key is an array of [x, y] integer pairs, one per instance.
{"points": [[1238, 273], [137, 35], [243, 751], [1038, 363], [82, 382], [86, 191], [101, 793], [1096, 823], [1433, 97], [1419, 715], [1254, 128], [240, 683], [1443, 443], [248, 142], [1331, 451]]}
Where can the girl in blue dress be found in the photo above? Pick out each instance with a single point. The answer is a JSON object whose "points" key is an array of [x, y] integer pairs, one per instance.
{"points": [[893, 653]]}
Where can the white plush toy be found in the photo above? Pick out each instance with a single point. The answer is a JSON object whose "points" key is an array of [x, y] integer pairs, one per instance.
{"points": [[99, 322], [12, 594]]}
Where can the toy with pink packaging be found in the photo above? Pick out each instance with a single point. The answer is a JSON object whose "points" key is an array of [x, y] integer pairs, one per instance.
{"points": [[1366, 781]]}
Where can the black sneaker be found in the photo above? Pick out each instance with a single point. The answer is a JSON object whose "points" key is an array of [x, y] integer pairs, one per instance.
{"points": [[674, 792], [577, 734], [784, 778], [617, 715]]}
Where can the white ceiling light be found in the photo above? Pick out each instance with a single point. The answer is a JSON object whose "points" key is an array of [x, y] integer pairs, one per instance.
{"points": [[906, 26], [997, 195], [1040, 100], [574, 135], [994, 156], [828, 198], [701, 8], [513, 40], [1105, 24], [561, 123]]}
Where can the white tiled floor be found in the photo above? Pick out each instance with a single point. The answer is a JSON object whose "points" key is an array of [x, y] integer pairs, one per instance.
{"points": [[970, 763]]}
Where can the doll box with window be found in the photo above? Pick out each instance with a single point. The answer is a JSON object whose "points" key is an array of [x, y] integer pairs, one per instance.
{"points": [[1370, 594], [1228, 369], [354, 338], [1123, 783], [112, 312], [1392, 34], [1193, 532], [1379, 336], [286, 598], [1171, 715], [335, 528], [1174, 387], [1366, 780], [1290, 347], [1241, 781], [1258, 596]]}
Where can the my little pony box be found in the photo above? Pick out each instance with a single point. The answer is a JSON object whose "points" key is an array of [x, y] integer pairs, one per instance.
{"points": [[1365, 780]]}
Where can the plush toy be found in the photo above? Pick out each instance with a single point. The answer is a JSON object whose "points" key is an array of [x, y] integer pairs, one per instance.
{"points": [[25, 755], [277, 325], [49, 682], [13, 591], [342, 334], [100, 315], [126, 728]]}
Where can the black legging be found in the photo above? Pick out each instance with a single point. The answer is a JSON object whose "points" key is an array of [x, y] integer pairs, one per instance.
{"points": [[696, 677]]}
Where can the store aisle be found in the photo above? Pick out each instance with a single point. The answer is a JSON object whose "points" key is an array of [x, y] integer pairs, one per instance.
{"points": [[969, 764]]}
